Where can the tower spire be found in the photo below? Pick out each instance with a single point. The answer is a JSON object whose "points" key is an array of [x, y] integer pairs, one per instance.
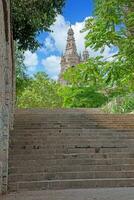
{"points": [[71, 46], [70, 57], [85, 55]]}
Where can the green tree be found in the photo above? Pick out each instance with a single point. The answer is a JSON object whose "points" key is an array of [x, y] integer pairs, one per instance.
{"points": [[96, 82], [31, 17], [85, 84], [113, 25], [41, 93], [22, 79]]}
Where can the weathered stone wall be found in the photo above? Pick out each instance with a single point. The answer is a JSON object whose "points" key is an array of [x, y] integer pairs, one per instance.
{"points": [[6, 90]]}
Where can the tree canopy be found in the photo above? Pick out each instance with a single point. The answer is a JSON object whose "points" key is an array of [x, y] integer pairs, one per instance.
{"points": [[41, 92], [113, 25], [112, 80], [22, 79], [29, 18]]}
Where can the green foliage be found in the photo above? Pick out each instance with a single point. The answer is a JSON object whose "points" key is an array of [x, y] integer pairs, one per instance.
{"points": [[22, 79], [120, 105], [40, 93], [113, 24], [87, 73], [31, 17], [94, 83], [84, 85], [36, 92], [81, 97]]}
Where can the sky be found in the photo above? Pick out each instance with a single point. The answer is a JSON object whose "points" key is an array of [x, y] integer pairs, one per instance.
{"points": [[47, 58]]}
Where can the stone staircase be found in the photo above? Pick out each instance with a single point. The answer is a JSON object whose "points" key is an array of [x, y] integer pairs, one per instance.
{"points": [[61, 149]]}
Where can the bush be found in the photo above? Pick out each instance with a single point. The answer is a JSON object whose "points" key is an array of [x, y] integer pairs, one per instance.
{"points": [[120, 105]]}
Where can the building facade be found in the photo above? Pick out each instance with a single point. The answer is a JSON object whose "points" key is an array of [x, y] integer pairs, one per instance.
{"points": [[71, 57], [7, 90]]}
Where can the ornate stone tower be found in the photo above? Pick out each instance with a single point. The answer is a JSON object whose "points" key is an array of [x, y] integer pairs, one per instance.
{"points": [[70, 57], [85, 55]]}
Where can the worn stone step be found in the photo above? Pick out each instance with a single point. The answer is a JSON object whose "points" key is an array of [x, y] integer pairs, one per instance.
{"points": [[37, 150], [70, 132], [78, 183], [73, 141], [52, 139], [69, 156], [70, 175], [65, 112], [77, 116], [73, 145], [68, 126], [72, 121], [73, 162], [71, 168], [74, 114], [57, 126]]}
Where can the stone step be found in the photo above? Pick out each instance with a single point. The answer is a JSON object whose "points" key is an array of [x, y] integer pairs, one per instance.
{"points": [[70, 175], [58, 126], [74, 145], [61, 149], [43, 137], [69, 156], [59, 110], [66, 112], [70, 168], [71, 132], [73, 162], [66, 184], [80, 126], [71, 121], [37, 150], [72, 141], [70, 118], [51, 136]]}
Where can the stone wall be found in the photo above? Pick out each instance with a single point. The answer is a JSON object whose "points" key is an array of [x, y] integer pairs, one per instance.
{"points": [[6, 90]]}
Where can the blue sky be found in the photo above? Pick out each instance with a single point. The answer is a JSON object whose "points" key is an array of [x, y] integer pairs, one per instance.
{"points": [[47, 58], [77, 10]]}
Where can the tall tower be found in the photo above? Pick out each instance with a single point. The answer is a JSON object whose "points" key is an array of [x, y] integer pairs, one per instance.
{"points": [[70, 57], [85, 55]]}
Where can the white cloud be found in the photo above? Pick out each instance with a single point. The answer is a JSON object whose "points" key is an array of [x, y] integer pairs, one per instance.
{"points": [[59, 33], [58, 37], [49, 44], [52, 66], [30, 60], [107, 54], [79, 37]]}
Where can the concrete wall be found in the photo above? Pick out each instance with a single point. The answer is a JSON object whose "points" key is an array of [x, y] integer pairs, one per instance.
{"points": [[6, 90]]}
